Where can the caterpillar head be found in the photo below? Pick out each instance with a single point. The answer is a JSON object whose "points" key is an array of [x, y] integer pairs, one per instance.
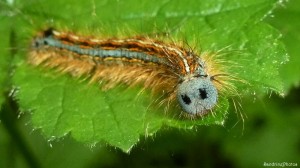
{"points": [[197, 95]]}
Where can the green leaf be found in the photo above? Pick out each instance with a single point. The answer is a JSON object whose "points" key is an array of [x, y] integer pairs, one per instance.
{"points": [[286, 19], [61, 105]]}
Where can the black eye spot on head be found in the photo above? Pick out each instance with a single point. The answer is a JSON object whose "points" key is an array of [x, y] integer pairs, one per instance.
{"points": [[203, 93], [36, 44], [186, 99], [45, 42]]}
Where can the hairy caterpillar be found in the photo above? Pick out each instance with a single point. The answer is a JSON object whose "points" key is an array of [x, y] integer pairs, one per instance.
{"points": [[171, 69]]}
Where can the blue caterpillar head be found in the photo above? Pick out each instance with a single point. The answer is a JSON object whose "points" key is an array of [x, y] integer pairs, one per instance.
{"points": [[197, 95]]}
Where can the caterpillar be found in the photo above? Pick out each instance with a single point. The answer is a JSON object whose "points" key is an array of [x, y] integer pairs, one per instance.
{"points": [[170, 69]]}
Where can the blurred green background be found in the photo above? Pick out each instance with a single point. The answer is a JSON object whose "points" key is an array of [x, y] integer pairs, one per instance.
{"points": [[270, 132]]}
